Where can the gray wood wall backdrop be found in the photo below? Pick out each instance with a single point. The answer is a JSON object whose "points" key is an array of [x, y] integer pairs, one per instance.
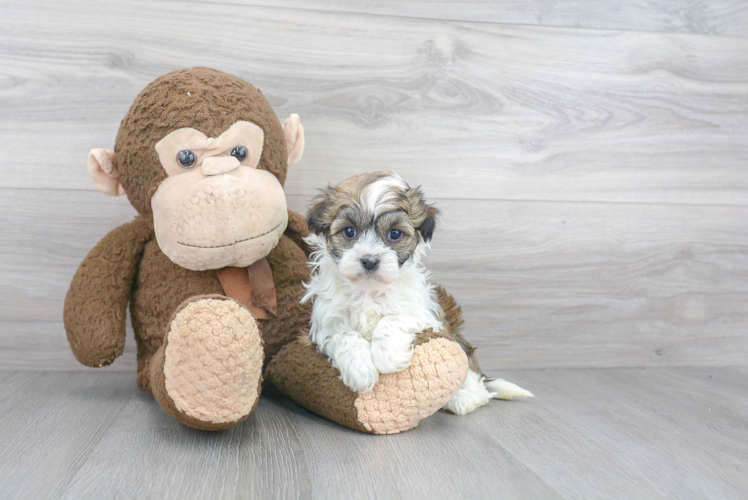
{"points": [[590, 158]]}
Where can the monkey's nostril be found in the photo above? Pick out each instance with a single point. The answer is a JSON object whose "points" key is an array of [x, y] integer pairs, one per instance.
{"points": [[369, 263]]}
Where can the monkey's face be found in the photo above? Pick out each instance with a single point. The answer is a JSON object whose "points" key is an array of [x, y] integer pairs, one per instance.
{"points": [[216, 209], [214, 201]]}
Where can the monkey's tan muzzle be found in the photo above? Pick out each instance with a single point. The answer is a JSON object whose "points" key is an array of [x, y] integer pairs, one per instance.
{"points": [[220, 215]]}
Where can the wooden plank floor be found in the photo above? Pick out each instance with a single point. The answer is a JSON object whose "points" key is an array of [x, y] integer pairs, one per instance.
{"points": [[611, 433]]}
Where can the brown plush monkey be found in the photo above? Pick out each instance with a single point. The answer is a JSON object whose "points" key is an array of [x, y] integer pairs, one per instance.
{"points": [[213, 267]]}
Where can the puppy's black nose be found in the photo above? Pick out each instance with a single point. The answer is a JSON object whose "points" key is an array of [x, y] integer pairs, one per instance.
{"points": [[369, 263]]}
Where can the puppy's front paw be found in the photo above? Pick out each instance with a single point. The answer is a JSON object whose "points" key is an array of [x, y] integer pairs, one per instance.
{"points": [[357, 369], [390, 355], [391, 347]]}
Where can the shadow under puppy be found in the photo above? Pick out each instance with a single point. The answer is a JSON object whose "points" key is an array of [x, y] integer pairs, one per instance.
{"points": [[371, 291]]}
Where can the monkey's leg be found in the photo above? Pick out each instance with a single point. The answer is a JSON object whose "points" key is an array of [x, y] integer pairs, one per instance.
{"points": [[207, 373], [398, 401]]}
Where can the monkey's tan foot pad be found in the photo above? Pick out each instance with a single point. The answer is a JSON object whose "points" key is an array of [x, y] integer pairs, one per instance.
{"points": [[208, 372], [397, 403]]}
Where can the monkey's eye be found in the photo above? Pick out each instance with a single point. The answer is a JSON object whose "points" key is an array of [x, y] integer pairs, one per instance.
{"points": [[186, 159], [395, 234], [239, 152], [349, 232]]}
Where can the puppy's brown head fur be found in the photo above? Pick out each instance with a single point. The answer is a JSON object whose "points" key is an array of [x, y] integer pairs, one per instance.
{"points": [[372, 195], [368, 216]]}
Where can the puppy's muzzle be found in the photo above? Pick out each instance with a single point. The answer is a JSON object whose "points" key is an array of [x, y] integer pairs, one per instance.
{"points": [[370, 263]]}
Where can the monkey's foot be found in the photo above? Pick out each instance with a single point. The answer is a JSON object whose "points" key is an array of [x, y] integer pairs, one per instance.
{"points": [[208, 372], [398, 401]]}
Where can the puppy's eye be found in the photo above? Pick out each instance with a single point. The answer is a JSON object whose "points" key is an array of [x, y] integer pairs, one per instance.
{"points": [[186, 159], [239, 152], [395, 234], [349, 232]]}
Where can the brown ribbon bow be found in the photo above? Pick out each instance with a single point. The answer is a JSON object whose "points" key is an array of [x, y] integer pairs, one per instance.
{"points": [[253, 287]]}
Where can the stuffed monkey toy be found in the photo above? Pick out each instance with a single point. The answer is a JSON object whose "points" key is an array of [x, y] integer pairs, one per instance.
{"points": [[213, 266]]}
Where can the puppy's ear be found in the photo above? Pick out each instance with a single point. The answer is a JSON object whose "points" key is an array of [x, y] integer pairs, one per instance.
{"points": [[422, 215], [429, 224], [318, 218]]}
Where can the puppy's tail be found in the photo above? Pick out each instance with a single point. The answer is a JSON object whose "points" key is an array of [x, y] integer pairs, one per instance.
{"points": [[506, 390], [477, 390]]}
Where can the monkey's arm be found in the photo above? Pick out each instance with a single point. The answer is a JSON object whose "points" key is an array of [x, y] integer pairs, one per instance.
{"points": [[96, 302], [297, 230]]}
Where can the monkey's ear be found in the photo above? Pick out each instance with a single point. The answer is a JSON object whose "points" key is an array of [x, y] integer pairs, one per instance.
{"points": [[101, 166], [294, 135], [429, 224], [317, 217]]}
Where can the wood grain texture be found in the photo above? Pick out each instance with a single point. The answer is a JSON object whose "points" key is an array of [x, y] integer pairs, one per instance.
{"points": [[49, 424], [541, 284], [626, 433], [475, 110], [632, 433], [32, 345], [285, 452], [547, 284], [593, 183], [706, 17]]}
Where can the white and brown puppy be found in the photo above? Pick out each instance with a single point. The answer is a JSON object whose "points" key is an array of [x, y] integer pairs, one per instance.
{"points": [[371, 292]]}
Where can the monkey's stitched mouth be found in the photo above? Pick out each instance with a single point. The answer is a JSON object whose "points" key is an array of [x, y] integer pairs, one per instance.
{"points": [[234, 243]]}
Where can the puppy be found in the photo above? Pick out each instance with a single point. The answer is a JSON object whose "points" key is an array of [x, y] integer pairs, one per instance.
{"points": [[371, 292]]}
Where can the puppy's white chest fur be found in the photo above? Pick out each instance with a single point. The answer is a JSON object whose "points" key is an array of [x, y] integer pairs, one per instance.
{"points": [[372, 319], [365, 333], [365, 311]]}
